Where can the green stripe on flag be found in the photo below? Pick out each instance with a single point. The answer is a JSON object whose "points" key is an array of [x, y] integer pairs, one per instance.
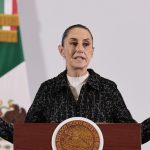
{"points": [[11, 55], [1, 6]]}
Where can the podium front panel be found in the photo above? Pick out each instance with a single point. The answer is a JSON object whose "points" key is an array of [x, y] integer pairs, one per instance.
{"points": [[37, 136]]}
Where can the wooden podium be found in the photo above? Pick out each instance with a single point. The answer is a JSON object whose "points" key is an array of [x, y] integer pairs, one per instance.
{"points": [[37, 136]]}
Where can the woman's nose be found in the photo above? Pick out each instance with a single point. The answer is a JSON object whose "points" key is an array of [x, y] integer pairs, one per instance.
{"points": [[80, 49]]}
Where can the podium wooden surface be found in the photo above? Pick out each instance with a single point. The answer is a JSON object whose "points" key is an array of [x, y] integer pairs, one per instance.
{"points": [[37, 136]]}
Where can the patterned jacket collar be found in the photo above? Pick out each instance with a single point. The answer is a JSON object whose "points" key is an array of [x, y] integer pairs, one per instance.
{"points": [[62, 82]]}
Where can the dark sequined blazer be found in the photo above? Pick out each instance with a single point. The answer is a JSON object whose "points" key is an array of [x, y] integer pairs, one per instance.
{"points": [[99, 100]]}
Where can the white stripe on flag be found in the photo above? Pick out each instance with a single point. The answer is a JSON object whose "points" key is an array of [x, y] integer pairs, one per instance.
{"points": [[14, 85], [7, 10]]}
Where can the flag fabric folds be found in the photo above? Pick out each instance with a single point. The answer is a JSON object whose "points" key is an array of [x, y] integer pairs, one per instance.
{"points": [[14, 89]]}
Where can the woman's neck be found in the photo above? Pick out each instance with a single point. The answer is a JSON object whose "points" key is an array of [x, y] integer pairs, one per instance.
{"points": [[76, 72]]}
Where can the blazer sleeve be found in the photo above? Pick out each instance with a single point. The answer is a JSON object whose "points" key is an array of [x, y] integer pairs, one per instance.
{"points": [[122, 115], [145, 130], [6, 130]]}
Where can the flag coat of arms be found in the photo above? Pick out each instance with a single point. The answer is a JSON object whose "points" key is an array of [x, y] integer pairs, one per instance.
{"points": [[13, 75]]}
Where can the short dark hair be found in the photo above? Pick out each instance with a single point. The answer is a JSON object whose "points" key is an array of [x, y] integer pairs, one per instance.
{"points": [[65, 34]]}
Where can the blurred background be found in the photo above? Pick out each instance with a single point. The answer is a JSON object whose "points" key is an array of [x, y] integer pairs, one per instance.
{"points": [[121, 30]]}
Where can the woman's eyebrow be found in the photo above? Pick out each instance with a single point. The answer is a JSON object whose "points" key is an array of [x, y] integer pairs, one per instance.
{"points": [[86, 39], [73, 39]]}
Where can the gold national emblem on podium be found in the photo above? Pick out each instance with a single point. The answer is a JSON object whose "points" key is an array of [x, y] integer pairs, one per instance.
{"points": [[77, 133]]}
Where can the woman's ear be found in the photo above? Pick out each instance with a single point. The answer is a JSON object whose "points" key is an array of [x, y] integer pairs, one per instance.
{"points": [[61, 50], [92, 51]]}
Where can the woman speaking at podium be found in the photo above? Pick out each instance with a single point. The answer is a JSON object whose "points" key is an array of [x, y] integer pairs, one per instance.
{"points": [[77, 91]]}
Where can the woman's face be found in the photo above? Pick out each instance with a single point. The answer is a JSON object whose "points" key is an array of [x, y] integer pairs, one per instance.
{"points": [[77, 49]]}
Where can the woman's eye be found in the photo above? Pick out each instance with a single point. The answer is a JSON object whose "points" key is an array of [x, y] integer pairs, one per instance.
{"points": [[74, 43], [85, 45]]}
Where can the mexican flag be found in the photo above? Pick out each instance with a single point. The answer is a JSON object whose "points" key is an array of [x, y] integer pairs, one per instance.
{"points": [[13, 75]]}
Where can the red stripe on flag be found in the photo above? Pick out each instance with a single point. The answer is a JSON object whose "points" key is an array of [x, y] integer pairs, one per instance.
{"points": [[14, 11], [14, 6]]}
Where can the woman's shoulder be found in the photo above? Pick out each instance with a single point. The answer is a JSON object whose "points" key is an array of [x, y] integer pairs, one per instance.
{"points": [[108, 82], [102, 81], [55, 81]]}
